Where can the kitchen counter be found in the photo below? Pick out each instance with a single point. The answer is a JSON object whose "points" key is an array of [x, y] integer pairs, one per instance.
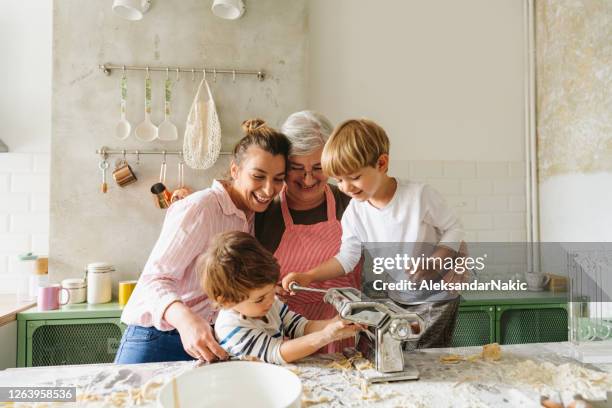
{"points": [[523, 374], [9, 307]]}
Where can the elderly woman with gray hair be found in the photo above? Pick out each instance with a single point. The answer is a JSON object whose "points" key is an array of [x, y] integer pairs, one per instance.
{"points": [[302, 226]]}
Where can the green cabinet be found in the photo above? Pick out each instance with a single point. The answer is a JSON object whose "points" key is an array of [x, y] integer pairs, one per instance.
{"points": [[75, 334], [510, 319], [89, 334], [475, 326], [537, 323]]}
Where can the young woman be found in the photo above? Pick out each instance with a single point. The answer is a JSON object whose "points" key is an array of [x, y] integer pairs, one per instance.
{"points": [[168, 316]]}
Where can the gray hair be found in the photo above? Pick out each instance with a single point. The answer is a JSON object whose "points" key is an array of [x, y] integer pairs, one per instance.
{"points": [[307, 131]]}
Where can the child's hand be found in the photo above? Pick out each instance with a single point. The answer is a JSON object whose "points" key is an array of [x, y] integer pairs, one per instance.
{"points": [[339, 329], [423, 275], [301, 279], [281, 293]]}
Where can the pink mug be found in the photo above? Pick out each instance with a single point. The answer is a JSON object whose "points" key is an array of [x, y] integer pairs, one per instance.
{"points": [[49, 297]]}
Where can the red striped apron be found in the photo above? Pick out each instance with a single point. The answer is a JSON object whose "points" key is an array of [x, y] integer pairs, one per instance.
{"points": [[303, 247]]}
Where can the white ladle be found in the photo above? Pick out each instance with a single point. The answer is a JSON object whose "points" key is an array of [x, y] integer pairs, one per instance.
{"points": [[146, 131], [167, 130], [123, 129]]}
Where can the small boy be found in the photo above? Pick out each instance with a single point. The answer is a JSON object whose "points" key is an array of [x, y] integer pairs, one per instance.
{"points": [[240, 276], [387, 211]]}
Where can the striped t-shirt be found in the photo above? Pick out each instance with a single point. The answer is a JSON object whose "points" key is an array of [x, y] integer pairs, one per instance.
{"points": [[260, 338]]}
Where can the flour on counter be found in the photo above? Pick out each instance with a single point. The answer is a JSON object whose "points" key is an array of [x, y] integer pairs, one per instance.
{"points": [[519, 378]]}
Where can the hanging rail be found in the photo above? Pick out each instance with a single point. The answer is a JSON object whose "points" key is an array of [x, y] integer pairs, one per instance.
{"points": [[104, 151], [108, 68]]}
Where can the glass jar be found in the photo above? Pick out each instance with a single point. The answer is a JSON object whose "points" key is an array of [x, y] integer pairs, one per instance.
{"points": [[26, 272], [40, 276]]}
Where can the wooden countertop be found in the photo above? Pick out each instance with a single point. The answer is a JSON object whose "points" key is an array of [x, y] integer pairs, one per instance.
{"points": [[9, 307]]}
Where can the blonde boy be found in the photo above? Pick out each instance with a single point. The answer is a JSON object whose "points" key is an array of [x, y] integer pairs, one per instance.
{"points": [[240, 276], [384, 210]]}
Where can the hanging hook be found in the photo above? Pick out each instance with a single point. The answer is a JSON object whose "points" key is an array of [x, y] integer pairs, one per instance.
{"points": [[234, 75], [103, 153], [123, 71], [124, 152], [167, 73], [214, 74], [204, 74], [193, 74], [163, 156], [148, 75], [137, 156], [177, 75]]}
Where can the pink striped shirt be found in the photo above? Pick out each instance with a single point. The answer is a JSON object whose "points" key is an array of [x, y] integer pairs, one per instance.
{"points": [[170, 273]]}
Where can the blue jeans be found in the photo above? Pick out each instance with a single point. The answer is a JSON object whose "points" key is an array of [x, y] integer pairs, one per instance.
{"points": [[149, 345]]}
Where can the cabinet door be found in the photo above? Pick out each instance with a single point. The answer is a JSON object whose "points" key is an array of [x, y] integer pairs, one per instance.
{"points": [[475, 326], [537, 323], [8, 339], [74, 341]]}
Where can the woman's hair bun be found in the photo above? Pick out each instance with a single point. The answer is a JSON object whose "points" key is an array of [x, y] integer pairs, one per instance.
{"points": [[251, 125], [258, 133]]}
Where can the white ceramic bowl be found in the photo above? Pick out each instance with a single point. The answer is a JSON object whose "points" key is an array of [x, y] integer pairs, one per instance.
{"points": [[235, 384]]}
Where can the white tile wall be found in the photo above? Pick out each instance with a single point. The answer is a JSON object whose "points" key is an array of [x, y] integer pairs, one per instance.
{"points": [[24, 211], [488, 196]]}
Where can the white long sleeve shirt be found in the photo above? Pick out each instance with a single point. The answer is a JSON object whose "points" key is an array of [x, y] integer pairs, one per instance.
{"points": [[260, 338], [416, 214]]}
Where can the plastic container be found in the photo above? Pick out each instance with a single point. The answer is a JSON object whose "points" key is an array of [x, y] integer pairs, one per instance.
{"points": [[77, 288], [99, 282]]}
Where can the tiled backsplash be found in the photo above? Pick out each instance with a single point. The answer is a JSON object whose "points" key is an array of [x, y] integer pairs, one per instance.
{"points": [[488, 196], [24, 211]]}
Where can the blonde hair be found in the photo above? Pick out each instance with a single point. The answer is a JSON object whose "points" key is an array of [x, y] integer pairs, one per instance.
{"points": [[233, 265], [354, 144]]}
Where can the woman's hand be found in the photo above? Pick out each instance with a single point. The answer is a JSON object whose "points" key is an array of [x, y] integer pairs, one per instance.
{"points": [[196, 334], [199, 341], [302, 279]]}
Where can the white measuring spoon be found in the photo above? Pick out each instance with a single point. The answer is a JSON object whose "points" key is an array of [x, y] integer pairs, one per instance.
{"points": [[146, 131], [123, 129], [167, 130]]}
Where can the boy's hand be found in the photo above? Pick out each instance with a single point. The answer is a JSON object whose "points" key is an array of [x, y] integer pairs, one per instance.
{"points": [[339, 329], [281, 293], [455, 277], [302, 279], [422, 275], [199, 340]]}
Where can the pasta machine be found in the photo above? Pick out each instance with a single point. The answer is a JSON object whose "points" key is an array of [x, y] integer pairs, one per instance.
{"points": [[388, 327]]}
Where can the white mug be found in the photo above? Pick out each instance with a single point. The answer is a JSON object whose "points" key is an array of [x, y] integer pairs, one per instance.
{"points": [[536, 280]]}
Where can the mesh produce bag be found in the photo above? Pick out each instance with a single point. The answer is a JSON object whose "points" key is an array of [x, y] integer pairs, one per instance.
{"points": [[202, 141]]}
